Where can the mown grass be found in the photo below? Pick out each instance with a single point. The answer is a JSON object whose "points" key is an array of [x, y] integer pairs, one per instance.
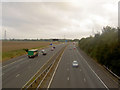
{"points": [[15, 53], [12, 54]]}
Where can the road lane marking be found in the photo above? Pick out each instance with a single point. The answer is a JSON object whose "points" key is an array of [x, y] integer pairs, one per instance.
{"points": [[67, 69], [17, 61], [17, 75], [1, 74], [84, 80], [41, 67], [12, 63], [68, 78], [94, 72], [80, 70], [55, 70]]}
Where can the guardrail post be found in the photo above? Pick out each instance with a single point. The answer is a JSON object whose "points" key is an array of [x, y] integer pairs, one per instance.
{"points": [[31, 85], [45, 69], [35, 81]]}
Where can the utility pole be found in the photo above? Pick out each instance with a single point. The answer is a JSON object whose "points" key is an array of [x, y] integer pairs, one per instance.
{"points": [[64, 37], [5, 35], [118, 35], [93, 32]]}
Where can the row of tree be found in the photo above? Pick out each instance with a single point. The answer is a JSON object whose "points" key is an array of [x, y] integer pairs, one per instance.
{"points": [[104, 47], [61, 40]]}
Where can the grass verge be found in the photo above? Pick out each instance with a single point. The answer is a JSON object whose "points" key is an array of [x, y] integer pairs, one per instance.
{"points": [[15, 53]]}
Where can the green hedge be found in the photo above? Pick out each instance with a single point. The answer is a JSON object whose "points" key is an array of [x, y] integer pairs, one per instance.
{"points": [[104, 48]]}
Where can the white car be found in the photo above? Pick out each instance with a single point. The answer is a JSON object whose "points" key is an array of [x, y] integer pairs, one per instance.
{"points": [[43, 52], [52, 49], [75, 64]]}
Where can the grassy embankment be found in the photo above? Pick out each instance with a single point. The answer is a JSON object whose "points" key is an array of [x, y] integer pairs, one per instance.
{"points": [[104, 48], [11, 49]]}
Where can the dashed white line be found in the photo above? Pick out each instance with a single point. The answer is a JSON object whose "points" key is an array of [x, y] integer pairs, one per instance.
{"points": [[17, 75], [84, 80], [80, 70], [94, 72], [68, 78], [67, 69]]}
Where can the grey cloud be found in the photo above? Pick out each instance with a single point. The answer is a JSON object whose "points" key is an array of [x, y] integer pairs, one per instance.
{"points": [[49, 19]]}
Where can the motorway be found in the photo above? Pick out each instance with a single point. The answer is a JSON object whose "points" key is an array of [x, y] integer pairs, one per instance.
{"points": [[89, 74], [16, 72]]}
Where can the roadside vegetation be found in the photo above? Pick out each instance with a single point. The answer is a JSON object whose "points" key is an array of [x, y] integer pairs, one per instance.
{"points": [[104, 48], [11, 49]]}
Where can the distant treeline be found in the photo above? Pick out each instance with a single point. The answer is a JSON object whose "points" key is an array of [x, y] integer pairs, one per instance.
{"points": [[104, 47], [60, 40]]}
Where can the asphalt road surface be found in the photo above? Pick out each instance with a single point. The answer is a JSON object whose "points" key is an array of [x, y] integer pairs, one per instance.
{"points": [[89, 74], [16, 72]]}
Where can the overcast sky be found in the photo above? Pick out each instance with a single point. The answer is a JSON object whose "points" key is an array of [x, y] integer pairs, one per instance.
{"points": [[73, 19]]}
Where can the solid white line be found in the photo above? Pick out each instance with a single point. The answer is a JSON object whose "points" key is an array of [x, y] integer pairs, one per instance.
{"points": [[16, 61], [55, 71], [9, 64], [38, 70], [12, 63], [94, 72], [17, 75], [1, 74]]}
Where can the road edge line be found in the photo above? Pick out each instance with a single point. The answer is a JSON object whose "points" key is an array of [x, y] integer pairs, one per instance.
{"points": [[12, 63], [37, 71], [55, 71], [102, 67], [94, 72], [20, 60]]}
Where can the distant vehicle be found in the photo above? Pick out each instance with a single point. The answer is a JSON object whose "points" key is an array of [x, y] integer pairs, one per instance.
{"points": [[70, 48], [74, 48], [75, 64], [52, 49], [32, 53], [43, 52]]}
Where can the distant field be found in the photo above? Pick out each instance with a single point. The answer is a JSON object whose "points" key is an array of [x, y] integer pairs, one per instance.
{"points": [[12, 49]]}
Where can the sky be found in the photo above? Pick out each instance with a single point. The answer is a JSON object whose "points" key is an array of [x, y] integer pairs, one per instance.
{"points": [[70, 19]]}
